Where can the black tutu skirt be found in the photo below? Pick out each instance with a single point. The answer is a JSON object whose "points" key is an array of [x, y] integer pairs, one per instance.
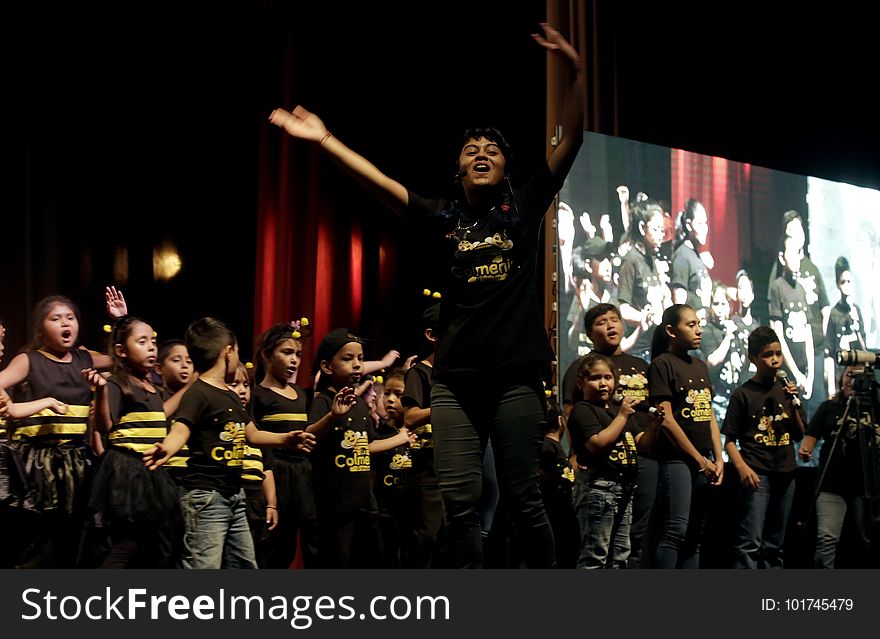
{"points": [[14, 488], [58, 477], [125, 491]]}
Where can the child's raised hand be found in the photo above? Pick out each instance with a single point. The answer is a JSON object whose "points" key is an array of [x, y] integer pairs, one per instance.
{"points": [[343, 401], [116, 306], [155, 456], [389, 359], [93, 377], [410, 362], [299, 123]]}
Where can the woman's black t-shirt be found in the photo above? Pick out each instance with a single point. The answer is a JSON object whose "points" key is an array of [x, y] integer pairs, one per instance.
{"points": [[490, 317]]}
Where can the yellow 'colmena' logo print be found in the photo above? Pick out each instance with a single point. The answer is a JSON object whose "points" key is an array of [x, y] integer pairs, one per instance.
{"points": [[350, 439], [700, 409]]}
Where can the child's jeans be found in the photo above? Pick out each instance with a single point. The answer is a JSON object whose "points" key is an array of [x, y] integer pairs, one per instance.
{"points": [[604, 510], [217, 534]]}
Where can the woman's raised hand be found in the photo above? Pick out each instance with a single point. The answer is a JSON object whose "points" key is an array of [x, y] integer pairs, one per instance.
{"points": [[552, 40], [299, 123]]}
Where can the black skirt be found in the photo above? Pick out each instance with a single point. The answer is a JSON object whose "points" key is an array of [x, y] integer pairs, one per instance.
{"points": [[126, 491], [58, 477]]}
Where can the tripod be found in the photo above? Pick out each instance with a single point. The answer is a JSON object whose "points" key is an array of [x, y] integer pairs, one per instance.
{"points": [[853, 456]]}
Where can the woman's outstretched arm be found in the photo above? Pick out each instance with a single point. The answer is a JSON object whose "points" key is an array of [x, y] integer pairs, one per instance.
{"points": [[305, 125]]}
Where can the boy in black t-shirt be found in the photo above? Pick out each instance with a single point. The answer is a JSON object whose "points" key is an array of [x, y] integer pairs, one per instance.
{"points": [[760, 424], [213, 424], [342, 462]]}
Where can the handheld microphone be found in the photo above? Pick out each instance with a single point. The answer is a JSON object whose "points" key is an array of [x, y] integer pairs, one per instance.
{"points": [[782, 376], [641, 407]]}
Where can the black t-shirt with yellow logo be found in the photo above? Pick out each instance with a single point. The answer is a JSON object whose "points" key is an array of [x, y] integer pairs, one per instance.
{"points": [[685, 383], [490, 317], [393, 471], [217, 422], [341, 459], [758, 420], [618, 461]]}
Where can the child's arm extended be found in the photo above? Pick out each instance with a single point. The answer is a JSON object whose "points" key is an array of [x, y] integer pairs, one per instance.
{"points": [[386, 362], [402, 438], [414, 417], [297, 439], [21, 410], [611, 433], [168, 447]]}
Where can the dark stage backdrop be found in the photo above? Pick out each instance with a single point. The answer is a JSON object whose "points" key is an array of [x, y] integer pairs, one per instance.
{"points": [[138, 125]]}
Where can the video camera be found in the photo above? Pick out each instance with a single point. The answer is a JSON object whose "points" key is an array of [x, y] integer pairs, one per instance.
{"points": [[864, 384]]}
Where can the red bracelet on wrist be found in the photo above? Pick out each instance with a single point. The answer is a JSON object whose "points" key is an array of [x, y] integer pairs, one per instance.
{"points": [[327, 134]]}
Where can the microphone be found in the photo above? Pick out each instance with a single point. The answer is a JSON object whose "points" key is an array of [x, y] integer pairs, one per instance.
{"points": [[641, 407], [782, 376], [854, 358]]}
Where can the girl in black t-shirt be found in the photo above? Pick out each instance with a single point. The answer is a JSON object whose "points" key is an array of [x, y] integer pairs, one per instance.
{"points": [[680, 384], [604, 440], [494, 346]]}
